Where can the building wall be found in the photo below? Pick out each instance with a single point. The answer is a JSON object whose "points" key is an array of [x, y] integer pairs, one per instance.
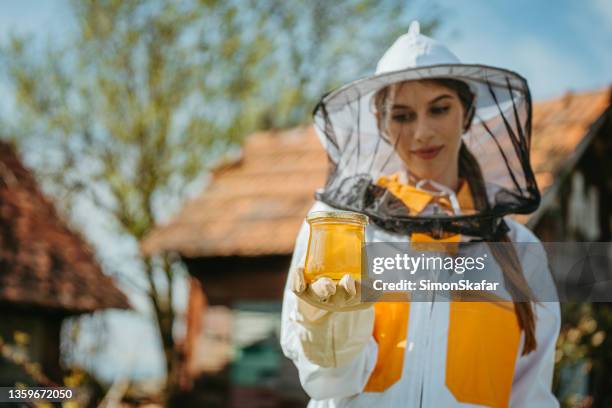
{"points": [[582, 212], [582, 208], [229, 279], [42, 343], [235, 338]]}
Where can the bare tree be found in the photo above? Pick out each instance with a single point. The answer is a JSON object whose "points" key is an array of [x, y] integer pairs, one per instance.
{"points": [[147, 94]]}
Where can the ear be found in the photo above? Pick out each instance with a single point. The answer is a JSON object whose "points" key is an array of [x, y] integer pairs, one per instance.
{"points": [[381, 130], [469, 117]]}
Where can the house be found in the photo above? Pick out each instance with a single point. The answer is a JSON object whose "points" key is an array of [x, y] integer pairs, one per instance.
{"points": [[237, 237], [48, 272], [571, 146]]}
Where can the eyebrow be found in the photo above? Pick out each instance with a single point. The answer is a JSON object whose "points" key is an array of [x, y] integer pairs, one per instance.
{"points": [[436, 99]]}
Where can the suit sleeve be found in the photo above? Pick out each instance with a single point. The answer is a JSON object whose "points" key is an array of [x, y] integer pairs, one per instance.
{"points": [[320, 382]]}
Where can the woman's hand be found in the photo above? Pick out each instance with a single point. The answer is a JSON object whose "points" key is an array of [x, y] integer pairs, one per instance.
{"points": [[331, 339], [326, 294]]}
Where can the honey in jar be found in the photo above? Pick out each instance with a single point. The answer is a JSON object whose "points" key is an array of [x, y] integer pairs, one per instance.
{"points": [[334, 245]]}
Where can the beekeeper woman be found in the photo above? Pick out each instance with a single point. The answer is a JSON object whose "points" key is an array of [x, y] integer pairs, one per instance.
{"points": [[429, 149]]}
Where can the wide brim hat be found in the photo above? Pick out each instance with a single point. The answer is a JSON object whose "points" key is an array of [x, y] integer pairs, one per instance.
{"points": [[414, 56], [499, 137]]}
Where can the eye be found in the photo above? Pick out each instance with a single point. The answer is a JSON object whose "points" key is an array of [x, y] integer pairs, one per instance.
{"points": [[403, 117], [440, 110]]}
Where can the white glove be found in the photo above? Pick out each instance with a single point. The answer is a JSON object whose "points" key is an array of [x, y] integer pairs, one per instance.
{"points": [[336, 324], [325, 294]]}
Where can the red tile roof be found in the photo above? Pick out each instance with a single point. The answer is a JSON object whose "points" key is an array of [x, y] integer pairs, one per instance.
{"points": [[558, 127], [256, 206], [42, 262]]}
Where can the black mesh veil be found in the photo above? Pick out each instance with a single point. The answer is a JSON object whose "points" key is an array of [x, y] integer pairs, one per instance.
{"points": [[499, 138]]}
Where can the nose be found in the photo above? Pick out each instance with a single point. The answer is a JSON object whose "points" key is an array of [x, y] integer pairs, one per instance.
{"points": [[423, 131]]}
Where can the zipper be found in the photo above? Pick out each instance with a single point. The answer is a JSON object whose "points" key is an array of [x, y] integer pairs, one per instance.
{"points": [[423, 357], [427, 348], [415, 397]]}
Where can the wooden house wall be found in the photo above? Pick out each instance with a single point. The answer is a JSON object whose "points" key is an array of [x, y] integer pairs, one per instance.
{"points": [[43, 346], [229, 279], [585, 195]]}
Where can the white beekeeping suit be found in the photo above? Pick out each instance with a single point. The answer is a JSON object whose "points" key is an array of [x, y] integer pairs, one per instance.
{"points": [[422, 354]]}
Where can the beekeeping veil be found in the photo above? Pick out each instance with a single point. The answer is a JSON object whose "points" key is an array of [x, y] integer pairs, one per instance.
{"points": [[499, 138]]}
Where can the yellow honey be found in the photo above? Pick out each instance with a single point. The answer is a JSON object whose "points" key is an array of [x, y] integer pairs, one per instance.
{"points": [[334, 245]]}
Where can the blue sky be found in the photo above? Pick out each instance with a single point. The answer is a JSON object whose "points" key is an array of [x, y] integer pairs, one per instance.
{"points": [[557, 45]]}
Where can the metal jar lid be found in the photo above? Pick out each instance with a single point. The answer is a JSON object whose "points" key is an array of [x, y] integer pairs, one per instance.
{"points": [[338, 215]]}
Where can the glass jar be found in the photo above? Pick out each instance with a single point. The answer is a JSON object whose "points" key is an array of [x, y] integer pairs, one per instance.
{"points": [[334, 245]]}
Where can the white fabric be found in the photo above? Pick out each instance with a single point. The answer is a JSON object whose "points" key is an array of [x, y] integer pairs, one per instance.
{"points": [[423, 377], [413, 50], [333, 339]]}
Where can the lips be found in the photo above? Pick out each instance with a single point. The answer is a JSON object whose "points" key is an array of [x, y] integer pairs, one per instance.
{"points": [[427, 153]]}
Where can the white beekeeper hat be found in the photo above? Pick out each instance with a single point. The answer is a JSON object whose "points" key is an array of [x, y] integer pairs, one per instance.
{"points": [[415, 56], [499, 137]]}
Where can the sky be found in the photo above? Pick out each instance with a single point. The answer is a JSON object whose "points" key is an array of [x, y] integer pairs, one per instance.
{"points": [[559, 46]]}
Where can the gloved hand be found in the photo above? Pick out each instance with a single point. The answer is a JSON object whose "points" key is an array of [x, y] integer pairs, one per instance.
{"points": [[336, 325], [325, 294]]}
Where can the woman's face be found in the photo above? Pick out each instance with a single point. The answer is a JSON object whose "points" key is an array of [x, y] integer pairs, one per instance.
{"points": [[424, 122]]}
